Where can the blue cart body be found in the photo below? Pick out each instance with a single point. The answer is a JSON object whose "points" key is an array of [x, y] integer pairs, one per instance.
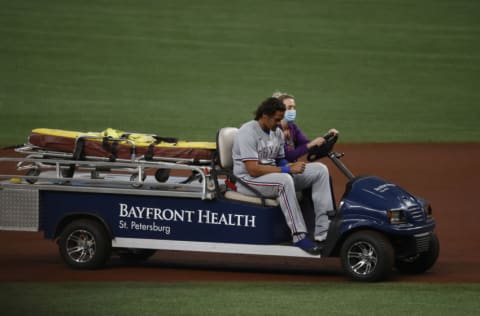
{"points": [[367, 201], [154, 217], [136, 218]]}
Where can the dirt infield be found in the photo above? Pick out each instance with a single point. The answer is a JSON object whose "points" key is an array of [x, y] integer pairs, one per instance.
{"points": [[446, 175]]}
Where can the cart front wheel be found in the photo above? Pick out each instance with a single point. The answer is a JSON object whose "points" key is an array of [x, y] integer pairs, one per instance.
{"points": [[84, 244], [367, 256]]}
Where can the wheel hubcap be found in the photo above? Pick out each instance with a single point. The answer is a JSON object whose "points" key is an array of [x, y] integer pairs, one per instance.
{"points": [[81, 246], [362, 258]]}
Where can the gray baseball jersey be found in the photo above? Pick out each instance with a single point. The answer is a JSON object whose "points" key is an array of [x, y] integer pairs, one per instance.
{"points": [[253, 143]]}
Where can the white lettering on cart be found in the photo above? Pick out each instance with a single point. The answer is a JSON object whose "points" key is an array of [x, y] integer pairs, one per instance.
{"points": [[150, 227], [384, 187], [173, 215], [142, 212], [229, 219]]}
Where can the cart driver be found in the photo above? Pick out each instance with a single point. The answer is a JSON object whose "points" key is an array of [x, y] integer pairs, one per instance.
{"points": [[259, 160], [297, 145]]}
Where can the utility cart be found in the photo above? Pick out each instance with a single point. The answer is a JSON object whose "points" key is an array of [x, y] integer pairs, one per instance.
{"points": [[121, 206]]}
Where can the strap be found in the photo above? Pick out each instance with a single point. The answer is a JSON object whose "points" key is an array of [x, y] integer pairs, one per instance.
{"points": [[149, 154], [159, 139], [78, 152], [111, 146]]}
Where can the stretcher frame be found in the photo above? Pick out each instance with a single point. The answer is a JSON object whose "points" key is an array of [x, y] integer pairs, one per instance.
{"points": [[126, 177], [39, 158]]}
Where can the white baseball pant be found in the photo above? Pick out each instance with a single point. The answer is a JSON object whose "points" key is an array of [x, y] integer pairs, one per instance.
{"points": [[283, 187]]}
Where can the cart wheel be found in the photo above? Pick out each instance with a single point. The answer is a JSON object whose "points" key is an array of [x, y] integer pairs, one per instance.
{"points": [[35, 172], [422, 261], [367, 256], [132, 256], [133, 179], [162, 175], [84, 244]]}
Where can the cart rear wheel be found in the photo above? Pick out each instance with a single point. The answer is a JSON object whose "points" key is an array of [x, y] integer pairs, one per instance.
{"points": [[367, 256], [84, 244], [421, 262]]}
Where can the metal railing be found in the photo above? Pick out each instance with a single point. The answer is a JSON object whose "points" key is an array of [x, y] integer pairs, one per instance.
{"points": [[118, 175]]}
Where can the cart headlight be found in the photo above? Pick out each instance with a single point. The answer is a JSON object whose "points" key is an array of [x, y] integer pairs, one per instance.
{"points": [[396, 217]]}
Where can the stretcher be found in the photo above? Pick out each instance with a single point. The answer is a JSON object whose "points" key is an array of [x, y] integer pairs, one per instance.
{"points": [[111, 145], [116, 144]]}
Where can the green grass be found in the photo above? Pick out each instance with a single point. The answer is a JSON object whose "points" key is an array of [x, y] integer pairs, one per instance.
{"points": [[379, 71], [247, 298]]}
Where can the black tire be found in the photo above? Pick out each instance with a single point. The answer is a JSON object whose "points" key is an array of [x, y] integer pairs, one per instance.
{"points": [[132, 256], [162, 175], [367, 256], [422, 261], [85, 244]]}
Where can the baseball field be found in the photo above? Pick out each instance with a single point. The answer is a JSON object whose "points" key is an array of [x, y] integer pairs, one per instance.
{"points": [[399, 79]]}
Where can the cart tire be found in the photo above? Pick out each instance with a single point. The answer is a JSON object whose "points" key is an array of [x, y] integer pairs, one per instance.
{"points": [[84, 244], [162, 175], [132, 256], [367, 256], [35, 172], [421, 262]]}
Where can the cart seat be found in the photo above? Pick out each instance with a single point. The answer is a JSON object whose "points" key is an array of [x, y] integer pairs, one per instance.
{"points": [[225, 138]]}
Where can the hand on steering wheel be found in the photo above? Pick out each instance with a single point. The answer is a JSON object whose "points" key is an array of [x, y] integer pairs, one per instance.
{"points": [[317, 152]]}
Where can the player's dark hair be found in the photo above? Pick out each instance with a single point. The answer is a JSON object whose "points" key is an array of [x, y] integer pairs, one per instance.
{"points": [[269, 107]]}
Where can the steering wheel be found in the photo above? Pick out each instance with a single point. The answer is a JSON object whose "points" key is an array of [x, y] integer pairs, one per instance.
{"points": [[317, 152]]}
